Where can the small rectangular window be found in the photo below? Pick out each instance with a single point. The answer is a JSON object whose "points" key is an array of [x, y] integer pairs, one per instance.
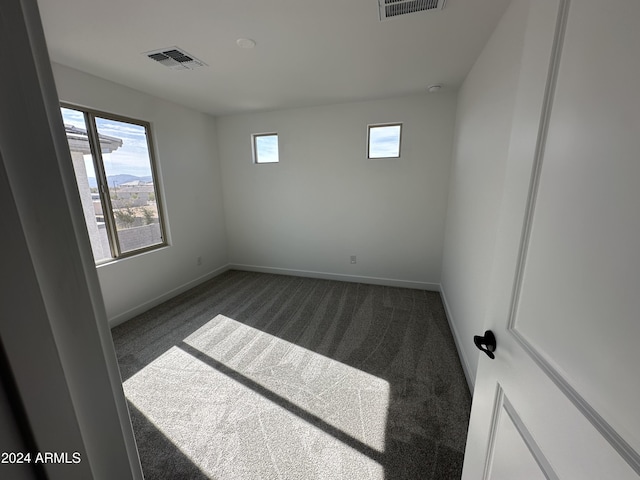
{"points": [[384, 140], [265, 148], [113, 162]]}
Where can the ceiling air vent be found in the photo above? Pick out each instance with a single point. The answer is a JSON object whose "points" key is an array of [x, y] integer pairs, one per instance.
{"points": [[175, 58], [393, 8]]}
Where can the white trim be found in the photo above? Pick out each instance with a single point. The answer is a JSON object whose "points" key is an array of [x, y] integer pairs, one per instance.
{"points": [[143, 307], [502, 405], [543, 131], [529, 441], [496, 415], [390, 282], [617, 442], [458, 341]]}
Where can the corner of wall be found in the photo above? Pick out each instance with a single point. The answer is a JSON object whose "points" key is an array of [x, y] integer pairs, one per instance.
{"points": [[143, 307], [469, 375], [223, 203]]}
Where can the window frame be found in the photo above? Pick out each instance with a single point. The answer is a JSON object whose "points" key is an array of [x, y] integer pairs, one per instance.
{"points": [[254, 147], [377, 125], [90, 115]]}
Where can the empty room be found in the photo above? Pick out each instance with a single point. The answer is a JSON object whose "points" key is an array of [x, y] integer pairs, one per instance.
{"points": [[279, 239]]}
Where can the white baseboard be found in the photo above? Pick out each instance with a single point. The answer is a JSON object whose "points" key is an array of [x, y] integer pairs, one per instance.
{"points": [[435, 287], [390, 282], [132, 312], [470, 376]]}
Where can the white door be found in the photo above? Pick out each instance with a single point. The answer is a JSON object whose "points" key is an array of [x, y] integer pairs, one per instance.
{"points": [[562, 397]]}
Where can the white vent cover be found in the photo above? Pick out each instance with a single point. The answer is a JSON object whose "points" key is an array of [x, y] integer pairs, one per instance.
{"points": [[175, 58], [393, 8]]}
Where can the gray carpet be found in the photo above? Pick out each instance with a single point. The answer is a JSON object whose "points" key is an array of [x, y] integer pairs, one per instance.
{"points": [[257, 376]]}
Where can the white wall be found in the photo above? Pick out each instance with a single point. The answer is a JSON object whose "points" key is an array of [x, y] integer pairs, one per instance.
{"points": [[190, 179], [483, 127], [325, 201]]}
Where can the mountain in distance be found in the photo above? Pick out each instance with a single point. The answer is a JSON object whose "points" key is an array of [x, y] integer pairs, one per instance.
{"points": [[119, 179]]}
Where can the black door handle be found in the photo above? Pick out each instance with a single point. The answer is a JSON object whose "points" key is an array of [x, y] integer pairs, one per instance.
{"points": [[487, 343]]}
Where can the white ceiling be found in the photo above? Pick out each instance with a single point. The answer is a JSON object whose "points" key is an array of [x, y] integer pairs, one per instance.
{"points": [[307, 52]]}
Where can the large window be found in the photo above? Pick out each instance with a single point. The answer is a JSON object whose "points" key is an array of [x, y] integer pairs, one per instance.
{"points": [[113, 161]]}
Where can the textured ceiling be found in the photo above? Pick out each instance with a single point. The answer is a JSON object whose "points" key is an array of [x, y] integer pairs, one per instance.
{"points": [[306, 53]]}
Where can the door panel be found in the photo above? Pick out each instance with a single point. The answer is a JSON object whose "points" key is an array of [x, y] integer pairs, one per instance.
{"points": [[513, 459], [514, 454], [566, 281], [579, 302], [561, 441]]}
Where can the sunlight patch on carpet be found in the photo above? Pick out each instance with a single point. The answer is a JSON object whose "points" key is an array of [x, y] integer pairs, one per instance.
{"points": [[243, 404]]}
